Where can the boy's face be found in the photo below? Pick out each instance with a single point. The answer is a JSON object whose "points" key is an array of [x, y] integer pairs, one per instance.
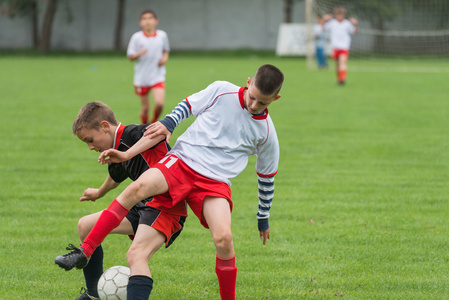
{"points": [[256, 102], [148, 21], [97, 139], [340, 16]]}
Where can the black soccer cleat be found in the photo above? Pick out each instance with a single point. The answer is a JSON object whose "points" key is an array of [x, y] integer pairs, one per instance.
{"points": [[75, 258], [86, 296]]}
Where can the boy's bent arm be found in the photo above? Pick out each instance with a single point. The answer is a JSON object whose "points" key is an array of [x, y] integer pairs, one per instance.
{"points": [[115, 156], [163, 59], [170, 122], [94, 194], [132, 57]]}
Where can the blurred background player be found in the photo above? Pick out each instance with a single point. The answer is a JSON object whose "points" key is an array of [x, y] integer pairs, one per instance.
{"points": [[150, 49], [320, 42], [97, 126], [340, 30]]}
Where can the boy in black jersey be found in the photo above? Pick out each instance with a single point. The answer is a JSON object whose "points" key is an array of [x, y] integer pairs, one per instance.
{"points": [[97, 126]]}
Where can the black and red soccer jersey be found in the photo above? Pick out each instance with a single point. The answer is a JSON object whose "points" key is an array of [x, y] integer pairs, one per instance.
{"points": [[125, 137]]}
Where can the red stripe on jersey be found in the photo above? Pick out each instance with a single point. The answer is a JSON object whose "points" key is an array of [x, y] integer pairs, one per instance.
{"points": [[242, 104], [215, 99], [149, 35], [118, 135], [263, 116], [267, 175], [190, 106]]}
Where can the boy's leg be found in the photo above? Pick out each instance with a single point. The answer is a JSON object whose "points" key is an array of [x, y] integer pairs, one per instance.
{"points": [[217, 213], [151, 182], [146, 242], [145, 108], [342, 67], [159, 98], [94, 268]]}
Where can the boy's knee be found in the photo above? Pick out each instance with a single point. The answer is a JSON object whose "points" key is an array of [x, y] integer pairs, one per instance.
{"points": [[130, 257], [223, 240], [135, 190], [83, 227], [135, 256]]}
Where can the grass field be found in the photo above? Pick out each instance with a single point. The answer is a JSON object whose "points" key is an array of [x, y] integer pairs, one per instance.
{"points": [[360, 208]]}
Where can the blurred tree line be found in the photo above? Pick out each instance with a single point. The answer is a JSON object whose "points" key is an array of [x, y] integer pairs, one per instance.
{"points": [[41, 39], [376, 12]]}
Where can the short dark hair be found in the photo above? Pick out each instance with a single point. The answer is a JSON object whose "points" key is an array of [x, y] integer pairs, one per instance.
{"points": [[268, 79], [148, 11], [91, 115]]}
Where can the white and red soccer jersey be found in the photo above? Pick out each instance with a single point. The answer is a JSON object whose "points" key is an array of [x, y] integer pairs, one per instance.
{"points": [[146, 69], [340, 33], [217, 145]]}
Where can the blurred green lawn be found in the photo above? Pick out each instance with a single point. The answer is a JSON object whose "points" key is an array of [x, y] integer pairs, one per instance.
{"points": [[360, 207]]}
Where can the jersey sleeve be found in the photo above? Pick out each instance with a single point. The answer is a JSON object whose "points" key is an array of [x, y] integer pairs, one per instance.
{"points": [[200, 101], [268, 154], [117, 172], [166, 44], [317, 30], [132, 46], [351, 28], [266, 167], [266, 195]]}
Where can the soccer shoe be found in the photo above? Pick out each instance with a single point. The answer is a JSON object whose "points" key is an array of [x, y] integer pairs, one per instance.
{"points": [[75, 258], [86, 296]]}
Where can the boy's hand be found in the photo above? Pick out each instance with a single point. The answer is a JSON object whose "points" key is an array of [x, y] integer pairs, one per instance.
{"points": [[156, 129], [162, 62], [265, 235], [112, 156], [353, 21], [90, 194], [142, 52]]}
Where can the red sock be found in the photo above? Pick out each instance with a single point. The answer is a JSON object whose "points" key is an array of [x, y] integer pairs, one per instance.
{"points": [[108, 220], [157, 112], [144, 119], [227, 277], [342, 75]]}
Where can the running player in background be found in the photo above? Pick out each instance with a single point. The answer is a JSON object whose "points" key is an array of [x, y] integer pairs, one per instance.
{"points": [[231, 124], [97, 126], [340, 30], [150, 49], [320, 43]]}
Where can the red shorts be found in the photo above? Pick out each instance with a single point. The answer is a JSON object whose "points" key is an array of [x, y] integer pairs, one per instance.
{"points": [[337, 52], [143, 90], [186, 184]]}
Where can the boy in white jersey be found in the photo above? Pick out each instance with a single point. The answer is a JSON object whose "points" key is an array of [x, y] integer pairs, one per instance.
{"points": [[341, 31], [231, 124], [150, 49]]}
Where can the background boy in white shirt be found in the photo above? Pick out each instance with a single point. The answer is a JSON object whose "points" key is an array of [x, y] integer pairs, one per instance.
{"points": [[150, 49], [340, 30]]}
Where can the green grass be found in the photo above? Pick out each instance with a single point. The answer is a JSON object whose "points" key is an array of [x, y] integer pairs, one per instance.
{"points": [[360, 207]]}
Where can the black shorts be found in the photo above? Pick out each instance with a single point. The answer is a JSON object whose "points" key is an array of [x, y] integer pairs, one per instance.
{"points": [[168, 224]]}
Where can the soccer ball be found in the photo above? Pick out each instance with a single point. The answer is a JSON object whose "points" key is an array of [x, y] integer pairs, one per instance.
{"points": [[113, 282]]}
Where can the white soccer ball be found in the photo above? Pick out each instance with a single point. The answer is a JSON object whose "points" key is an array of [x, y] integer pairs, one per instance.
{"points": [[113, 282]]}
